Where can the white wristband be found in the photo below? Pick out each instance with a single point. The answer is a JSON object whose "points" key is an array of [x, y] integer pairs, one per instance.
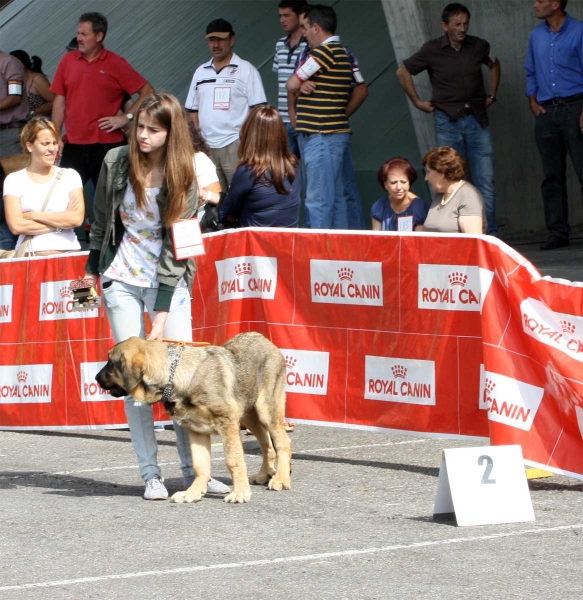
{"points": [[209, 195]]}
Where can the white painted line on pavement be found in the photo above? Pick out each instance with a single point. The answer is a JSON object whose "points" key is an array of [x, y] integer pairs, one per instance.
{"points": [[290, 559], [423, 441]]}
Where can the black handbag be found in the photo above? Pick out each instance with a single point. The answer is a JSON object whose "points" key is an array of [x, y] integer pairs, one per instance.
{"points": [[209, 221]]}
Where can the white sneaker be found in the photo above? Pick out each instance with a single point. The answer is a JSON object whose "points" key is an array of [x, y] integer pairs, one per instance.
{"points": [[217, 487], [155, 489], [213, 487]]}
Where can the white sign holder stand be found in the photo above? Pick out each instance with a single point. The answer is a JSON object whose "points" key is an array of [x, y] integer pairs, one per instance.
{"points": [[483, 486]]}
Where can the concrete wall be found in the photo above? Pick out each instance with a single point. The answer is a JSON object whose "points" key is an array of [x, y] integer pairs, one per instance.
{"points": [[507, 25]]}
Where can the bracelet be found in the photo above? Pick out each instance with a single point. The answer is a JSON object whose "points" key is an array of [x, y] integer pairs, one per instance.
{"points": [[209, 195], [58, 230]]}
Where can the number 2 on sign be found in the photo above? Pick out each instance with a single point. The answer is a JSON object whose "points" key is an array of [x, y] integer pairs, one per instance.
{"points": [[489, 466]]}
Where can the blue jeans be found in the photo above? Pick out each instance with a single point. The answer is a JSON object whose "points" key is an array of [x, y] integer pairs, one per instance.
{"points": [[124, 305], [7, 238], [474, 143], [292, 139], [352, 197], [323, 158]]}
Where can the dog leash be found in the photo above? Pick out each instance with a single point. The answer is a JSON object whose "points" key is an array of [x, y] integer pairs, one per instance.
{"points": [[173, 358], [182, 343]]}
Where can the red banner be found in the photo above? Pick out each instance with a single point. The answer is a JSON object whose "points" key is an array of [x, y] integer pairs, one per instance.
{"points": [[449, 336]]}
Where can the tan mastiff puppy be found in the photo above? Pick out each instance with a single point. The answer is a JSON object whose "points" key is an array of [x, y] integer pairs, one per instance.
{"points": [[211, 390]]}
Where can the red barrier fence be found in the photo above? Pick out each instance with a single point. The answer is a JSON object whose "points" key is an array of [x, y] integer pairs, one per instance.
{"points": [[449, 336]]}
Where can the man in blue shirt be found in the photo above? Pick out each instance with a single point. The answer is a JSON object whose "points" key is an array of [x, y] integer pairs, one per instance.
{"points": [[554, 86]]}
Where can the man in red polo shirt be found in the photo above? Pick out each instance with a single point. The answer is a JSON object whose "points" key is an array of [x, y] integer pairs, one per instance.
{"points": [[90, 84]]}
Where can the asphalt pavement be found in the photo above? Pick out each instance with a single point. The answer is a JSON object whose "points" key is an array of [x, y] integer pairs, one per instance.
{"points": [[357, 524], [562, 263]]}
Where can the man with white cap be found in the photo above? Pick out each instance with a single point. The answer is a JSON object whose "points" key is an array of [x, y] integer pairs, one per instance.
{"points": [[221, 94]]}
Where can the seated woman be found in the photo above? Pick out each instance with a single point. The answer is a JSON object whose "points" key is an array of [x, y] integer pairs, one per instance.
{"points": [[458, 206], [47, 230], [265, 189], [396, 176]]}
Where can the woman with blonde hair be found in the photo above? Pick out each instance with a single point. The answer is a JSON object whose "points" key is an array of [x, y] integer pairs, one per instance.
{"points": [[143, 189], [43, 203], [265, 189], [458, 206]]}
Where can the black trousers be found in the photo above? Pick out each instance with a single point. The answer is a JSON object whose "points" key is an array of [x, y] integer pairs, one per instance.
{"points": [[557, 134], [86, 159]]}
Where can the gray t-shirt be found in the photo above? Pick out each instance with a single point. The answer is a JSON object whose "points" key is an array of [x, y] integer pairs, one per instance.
{"points": [[466, 202]]}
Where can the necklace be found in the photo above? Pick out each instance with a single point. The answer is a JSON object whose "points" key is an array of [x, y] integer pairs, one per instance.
{"points": [[451, 194], [152, 192]]}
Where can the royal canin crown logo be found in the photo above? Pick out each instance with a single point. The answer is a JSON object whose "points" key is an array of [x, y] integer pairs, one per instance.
{"points": [[346, 282], [21, 376], [409, 381], [399, 372], [562, 331], [345, 274], [509, 401], [243, 269], [66, 292], [458, 278], [567, 327], [306, 371], [453, 287]]}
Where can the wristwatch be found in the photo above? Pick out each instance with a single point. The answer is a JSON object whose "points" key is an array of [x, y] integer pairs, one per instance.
{"points": [[493, 98], [129, 117]]}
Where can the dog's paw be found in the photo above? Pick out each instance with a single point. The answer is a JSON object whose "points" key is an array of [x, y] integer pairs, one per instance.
{"points": [[260, 478], [277, 484], [186, 497], [236, 497]]}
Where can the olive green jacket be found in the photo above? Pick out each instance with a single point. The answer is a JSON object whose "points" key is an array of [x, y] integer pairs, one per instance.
{"points": [[107, 231]]}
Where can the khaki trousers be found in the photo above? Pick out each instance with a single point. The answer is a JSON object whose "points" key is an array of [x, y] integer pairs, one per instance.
{"points": [[226, 160]]}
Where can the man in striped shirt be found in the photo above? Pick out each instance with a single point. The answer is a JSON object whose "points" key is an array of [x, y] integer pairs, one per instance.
{"points": [[359, 94], [321, 121], [287, 52]]}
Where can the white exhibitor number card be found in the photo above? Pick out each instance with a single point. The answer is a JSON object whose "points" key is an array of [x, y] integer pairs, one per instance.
{"points": [[483, 486], [187, 238], [405, 223]]}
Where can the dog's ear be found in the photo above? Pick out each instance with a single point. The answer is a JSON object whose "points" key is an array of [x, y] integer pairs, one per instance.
{"points": [[132, 367]]}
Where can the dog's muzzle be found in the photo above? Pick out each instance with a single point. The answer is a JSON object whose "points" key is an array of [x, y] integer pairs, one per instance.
{"points": [[103, 379]]}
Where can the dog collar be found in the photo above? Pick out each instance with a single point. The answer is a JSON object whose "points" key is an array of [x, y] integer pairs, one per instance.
{"points": [[173, 359]]}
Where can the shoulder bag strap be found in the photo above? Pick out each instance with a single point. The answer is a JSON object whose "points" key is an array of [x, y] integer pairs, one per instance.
{"points": [[23, 248]]}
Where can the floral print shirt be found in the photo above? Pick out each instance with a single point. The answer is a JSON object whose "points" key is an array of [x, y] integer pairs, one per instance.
{"points": [[136, 261]]}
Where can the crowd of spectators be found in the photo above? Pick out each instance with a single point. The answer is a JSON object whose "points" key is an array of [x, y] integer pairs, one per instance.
{"points": [[320, 86]]}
